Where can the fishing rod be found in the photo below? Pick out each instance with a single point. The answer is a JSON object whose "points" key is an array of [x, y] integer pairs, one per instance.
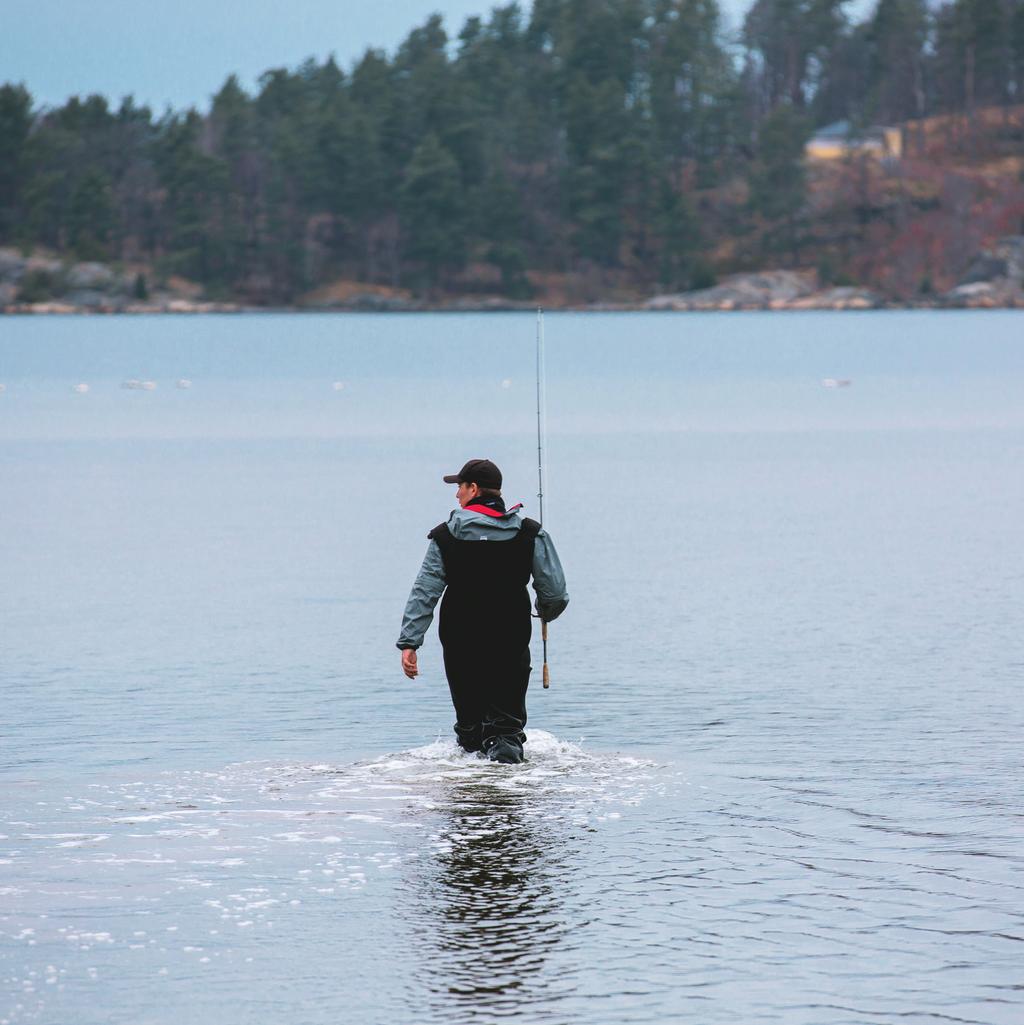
{"points": [[541, 400]]}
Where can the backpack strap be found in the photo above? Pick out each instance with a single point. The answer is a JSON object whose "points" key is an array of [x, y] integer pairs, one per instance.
{"points": [[529, 530], [442, 535]]}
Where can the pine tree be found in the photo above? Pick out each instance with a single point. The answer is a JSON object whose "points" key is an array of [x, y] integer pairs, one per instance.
{"points": [[791, 40], [432, 211], [973, 53], [231, 135], [195, 185], [90, 217], [778, 185], [896, 36], [678, 234], [1017, 47], [15, 123]]}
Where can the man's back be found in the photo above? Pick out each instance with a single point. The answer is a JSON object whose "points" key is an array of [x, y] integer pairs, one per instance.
{"points": [[481, 559]]}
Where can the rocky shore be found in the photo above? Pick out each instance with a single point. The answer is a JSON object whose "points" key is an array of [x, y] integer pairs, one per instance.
{"points": [[770, 290], [994, 280], [43, 285]]}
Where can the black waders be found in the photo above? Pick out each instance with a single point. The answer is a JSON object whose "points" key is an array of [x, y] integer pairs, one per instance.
{"points": [[485, 632]]}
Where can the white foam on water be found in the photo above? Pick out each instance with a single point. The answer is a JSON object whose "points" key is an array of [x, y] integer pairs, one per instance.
{"points": [[182, 846]]}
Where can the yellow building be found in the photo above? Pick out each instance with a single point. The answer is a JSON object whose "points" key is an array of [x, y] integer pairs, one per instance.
{"points": [[840, 140]]}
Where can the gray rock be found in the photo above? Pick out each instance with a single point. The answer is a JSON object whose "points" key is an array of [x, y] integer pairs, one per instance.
{"points": [[973, 289], [985, 267], [995, 276], [43, 263], [1002, 294], [92, 276], [87, 298], [369, 302], [742, 291], [1011, 251], [12, 265], [844, 297], [1004, 261]]}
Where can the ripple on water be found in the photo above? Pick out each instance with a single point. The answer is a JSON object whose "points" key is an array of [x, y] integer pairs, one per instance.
{"points": [[432, 886], [222, 868]]}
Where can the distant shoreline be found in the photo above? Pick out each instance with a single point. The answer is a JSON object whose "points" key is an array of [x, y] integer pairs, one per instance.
{"points": [[58, 309], [90, 288], [41, 286]]}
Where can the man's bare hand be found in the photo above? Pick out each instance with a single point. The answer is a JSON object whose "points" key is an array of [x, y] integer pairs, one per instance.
{"points": [[409, 666]]}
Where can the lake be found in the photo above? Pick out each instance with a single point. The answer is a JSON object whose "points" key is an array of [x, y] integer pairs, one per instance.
{"points": [[778, 774]]}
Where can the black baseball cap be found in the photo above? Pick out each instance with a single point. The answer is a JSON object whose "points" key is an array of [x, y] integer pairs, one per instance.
{"points": [[481, 472]]}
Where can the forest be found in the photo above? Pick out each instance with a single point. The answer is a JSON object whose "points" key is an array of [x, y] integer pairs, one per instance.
{"points": [[613, 146]]}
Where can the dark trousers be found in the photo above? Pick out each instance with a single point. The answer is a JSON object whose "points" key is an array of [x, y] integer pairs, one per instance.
{"points": [[489, 695]]}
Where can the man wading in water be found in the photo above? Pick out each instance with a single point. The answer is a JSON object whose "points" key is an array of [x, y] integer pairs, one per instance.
{"points": [[485, 616]]}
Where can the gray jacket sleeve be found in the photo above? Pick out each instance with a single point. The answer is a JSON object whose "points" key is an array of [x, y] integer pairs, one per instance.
{"points": [[548, 579], [427, 589]]}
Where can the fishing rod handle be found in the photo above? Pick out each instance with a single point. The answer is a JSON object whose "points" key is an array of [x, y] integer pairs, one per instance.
{"points": [[544, 637]]}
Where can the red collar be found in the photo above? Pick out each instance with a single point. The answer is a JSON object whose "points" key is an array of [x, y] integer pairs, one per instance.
{"points": [[492, 512]]}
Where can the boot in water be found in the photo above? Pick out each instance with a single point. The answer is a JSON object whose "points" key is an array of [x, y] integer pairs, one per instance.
{"points": [[505, 750]]}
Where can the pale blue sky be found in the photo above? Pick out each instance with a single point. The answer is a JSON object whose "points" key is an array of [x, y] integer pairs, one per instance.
{"points": [[180, 52]]}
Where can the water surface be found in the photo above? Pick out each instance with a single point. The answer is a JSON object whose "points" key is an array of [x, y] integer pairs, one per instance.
{"points": [[776, 778]]}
